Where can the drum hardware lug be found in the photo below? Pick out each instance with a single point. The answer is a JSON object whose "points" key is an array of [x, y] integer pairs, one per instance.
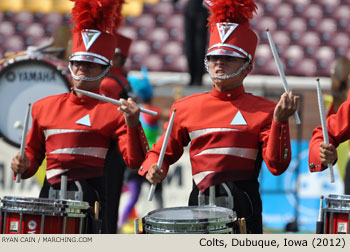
{"points": [[4, 225], [63, 192], [325, 223], [79, 194], [42, 224], [52, 193], [201, 199], [230, 197], [212, 196], [136, 226], [20, 223], [331, 224], [224, 201], [64, 224], [81, 225]]}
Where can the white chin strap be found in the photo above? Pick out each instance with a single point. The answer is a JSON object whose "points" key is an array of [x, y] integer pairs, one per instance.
{"points": [[83, 78], [225, 77]]}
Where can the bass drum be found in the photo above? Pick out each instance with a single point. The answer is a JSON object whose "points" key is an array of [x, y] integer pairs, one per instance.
{"points": [[23, 81]]}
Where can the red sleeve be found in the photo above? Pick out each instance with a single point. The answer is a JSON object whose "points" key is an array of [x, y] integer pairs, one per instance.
{"points": [[177, 140], [276, 149], [132, 143], [338, 131], [35, 145]]}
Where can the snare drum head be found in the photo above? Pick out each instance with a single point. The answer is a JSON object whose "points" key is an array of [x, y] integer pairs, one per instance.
{"points": [[191, 213], [193, 219], [22, 82]]}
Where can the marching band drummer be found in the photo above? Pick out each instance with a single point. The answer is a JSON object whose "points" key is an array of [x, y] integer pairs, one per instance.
{"points": [[75, 131], [338, 124], [230, 131]]}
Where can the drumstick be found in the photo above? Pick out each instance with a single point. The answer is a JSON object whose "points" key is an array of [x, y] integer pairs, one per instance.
{"points": [[242, 225], [323, 124], [97, 210], [110, 100], [162, 152], [23, 141], [280, 70], [319, 223]]}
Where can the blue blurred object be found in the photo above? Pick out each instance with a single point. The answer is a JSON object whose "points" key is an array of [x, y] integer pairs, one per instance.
{"points": [[141, 87], [295, 194]]}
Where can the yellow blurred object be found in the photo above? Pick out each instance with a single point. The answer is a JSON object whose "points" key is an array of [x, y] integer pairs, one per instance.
{"points": [[343, 157], [44, 6], [129, 226], [41, 172], [328, 99], [12, 5], [62, 6], [132, 8], [151, 1]]}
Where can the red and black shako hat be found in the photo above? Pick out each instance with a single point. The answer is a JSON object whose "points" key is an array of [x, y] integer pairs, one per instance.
{"points": [[230, 34], [122, 45], [95, 27]]}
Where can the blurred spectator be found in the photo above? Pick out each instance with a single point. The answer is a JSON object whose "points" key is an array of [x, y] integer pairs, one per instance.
{"points": [[196, 36], [340, 88], [142, 89], [116, 86]]}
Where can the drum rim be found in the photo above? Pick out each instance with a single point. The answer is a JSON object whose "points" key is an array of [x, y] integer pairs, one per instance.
{"points": [[53, 206], [338, 197], [10, 65], [66, 201], [43, 212], [226, 230], [337, 210], [190, 207]]}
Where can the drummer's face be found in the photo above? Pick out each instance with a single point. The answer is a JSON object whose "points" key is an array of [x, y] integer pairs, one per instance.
{"points": [[220, 65], [87, 69]]}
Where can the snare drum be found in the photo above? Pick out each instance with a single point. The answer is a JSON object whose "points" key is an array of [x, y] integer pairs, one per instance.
{"points": [[337, 214], [25, 80], [19, 215], [190, 220]]}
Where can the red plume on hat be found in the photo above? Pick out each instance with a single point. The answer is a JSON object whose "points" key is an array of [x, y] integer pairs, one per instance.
{"points": [[95, 24], [232, 11], [229, 27]]}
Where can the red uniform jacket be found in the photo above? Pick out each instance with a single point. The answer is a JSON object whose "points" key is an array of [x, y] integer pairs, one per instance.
{"points": [[75, 133], [338, 127], [230, 133]]}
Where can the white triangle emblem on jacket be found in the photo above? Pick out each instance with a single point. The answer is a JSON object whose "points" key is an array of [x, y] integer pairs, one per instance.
{"points": [[238, 119], [84, 121]]}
